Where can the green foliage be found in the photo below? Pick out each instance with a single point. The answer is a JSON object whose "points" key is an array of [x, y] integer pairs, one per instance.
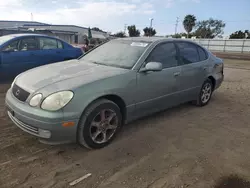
{"points": [[209, 28], [120, 34], [189, 23], [240, 34], [133, 32], [148, 31], [97, 29], [179, 35]]}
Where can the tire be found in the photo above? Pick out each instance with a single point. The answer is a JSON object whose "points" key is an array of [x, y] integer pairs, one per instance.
{"points": [[96, 122], [205, 93]]}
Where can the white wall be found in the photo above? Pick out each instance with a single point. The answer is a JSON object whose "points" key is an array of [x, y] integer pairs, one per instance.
{"points": [[225, 45]]}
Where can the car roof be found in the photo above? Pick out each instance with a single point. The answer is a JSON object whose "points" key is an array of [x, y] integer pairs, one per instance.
{"points": [[152, 39], [24, 34]]}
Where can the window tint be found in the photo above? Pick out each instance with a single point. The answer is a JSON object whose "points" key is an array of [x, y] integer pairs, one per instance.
{"points": [[12, 46], [60, 45], [202, 54], [188, 52], [28, 44], [165, 54], [47, 43]]}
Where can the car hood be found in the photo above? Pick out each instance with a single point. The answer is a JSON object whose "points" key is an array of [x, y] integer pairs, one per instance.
{"points": [[40, 77]]}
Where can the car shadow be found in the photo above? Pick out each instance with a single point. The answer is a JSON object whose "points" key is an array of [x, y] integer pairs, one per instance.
{"points": [[232, 181]]}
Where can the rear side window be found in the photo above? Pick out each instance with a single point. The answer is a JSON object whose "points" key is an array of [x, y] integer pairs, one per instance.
{"points": [[28, 44], [59, 44], [188, 53], [47, 43], [165, 54], [202, 54]]}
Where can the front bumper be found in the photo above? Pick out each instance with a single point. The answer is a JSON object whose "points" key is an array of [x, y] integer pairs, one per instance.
{"points": [[40, 123]]}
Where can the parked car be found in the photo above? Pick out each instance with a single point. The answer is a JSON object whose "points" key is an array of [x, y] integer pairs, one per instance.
{"points": [[88, 100], [20, 52]]}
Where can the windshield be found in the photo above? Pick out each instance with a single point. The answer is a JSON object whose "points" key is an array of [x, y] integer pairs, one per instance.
{"points": [[5, 39], [117, 53]]}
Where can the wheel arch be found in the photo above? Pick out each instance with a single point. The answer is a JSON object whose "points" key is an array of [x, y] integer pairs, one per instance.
{"points": [[114, 98], [212, 80]]}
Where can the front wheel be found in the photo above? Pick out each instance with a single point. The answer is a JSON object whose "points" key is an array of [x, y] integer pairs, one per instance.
{"points": [[99, 124], [205, 93]]}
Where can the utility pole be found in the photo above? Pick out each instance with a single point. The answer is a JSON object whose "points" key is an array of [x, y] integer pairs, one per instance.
{"points": [[125, 28], [31, 16], [150, 28], [176, 24]]}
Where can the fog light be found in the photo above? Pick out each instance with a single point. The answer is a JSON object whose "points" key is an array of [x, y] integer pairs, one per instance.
{"points": [[44, 133]]}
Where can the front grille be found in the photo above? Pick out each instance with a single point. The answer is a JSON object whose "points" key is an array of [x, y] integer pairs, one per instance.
{"points": [[20, 93]]}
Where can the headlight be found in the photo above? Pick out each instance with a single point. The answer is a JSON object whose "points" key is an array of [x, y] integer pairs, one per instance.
{"points": [[57, 100], [35, 100], [12, 84]]}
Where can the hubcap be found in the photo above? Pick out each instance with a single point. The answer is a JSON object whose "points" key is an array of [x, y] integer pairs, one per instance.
{"points": [[103, 126], [206, 93]]}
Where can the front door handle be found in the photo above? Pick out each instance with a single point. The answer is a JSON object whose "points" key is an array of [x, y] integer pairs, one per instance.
{"points": [[177, 73]]}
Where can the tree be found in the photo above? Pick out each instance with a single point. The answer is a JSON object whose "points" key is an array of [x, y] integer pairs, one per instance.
{"points": [[240, 34], [149, 31], [97, 29], [189, 23], [120, 34], [209, 28], [133, 32], [179, 35]]}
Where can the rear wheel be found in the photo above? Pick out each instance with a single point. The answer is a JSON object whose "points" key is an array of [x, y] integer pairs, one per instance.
{"points": [[99, 124], [205, 93]]}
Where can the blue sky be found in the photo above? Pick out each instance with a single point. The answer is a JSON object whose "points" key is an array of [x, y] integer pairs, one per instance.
{"points": [[112, 15]]}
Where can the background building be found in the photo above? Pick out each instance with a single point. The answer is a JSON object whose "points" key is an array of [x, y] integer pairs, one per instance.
{"points": [[70, 33]]}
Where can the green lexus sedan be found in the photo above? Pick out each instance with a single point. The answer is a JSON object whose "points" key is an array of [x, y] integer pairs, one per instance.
{"points": [[88, 100]]}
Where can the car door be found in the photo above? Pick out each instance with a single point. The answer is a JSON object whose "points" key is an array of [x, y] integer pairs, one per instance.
{"points": [[192, 70], [159, 90], [8, 57], [49, 50], [24, 57]]}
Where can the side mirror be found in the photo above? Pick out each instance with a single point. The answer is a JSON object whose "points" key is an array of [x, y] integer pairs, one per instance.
{"points": [[152, 66]]}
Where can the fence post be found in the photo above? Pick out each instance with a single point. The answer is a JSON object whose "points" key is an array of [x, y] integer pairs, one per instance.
{"points": [[208, 44], [225, 43], [243, 45]]}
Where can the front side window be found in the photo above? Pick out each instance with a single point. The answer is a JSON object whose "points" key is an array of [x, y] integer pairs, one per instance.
{"points": [[117, 53], [165, 54], [12, 46], [28, 44], [188, 52], [47, 43]]}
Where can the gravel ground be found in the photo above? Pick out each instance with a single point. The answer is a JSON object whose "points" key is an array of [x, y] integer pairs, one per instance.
{"points": [[185, 146]]}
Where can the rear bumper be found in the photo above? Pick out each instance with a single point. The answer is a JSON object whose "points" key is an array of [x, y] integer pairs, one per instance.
{"points": [[45, 125], [219, 77]]}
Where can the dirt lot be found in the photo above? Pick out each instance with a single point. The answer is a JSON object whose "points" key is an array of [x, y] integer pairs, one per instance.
{"points": [[186, 146]]}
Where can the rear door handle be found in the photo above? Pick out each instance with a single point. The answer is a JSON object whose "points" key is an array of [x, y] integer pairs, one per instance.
{"points": [[177, 73]]}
